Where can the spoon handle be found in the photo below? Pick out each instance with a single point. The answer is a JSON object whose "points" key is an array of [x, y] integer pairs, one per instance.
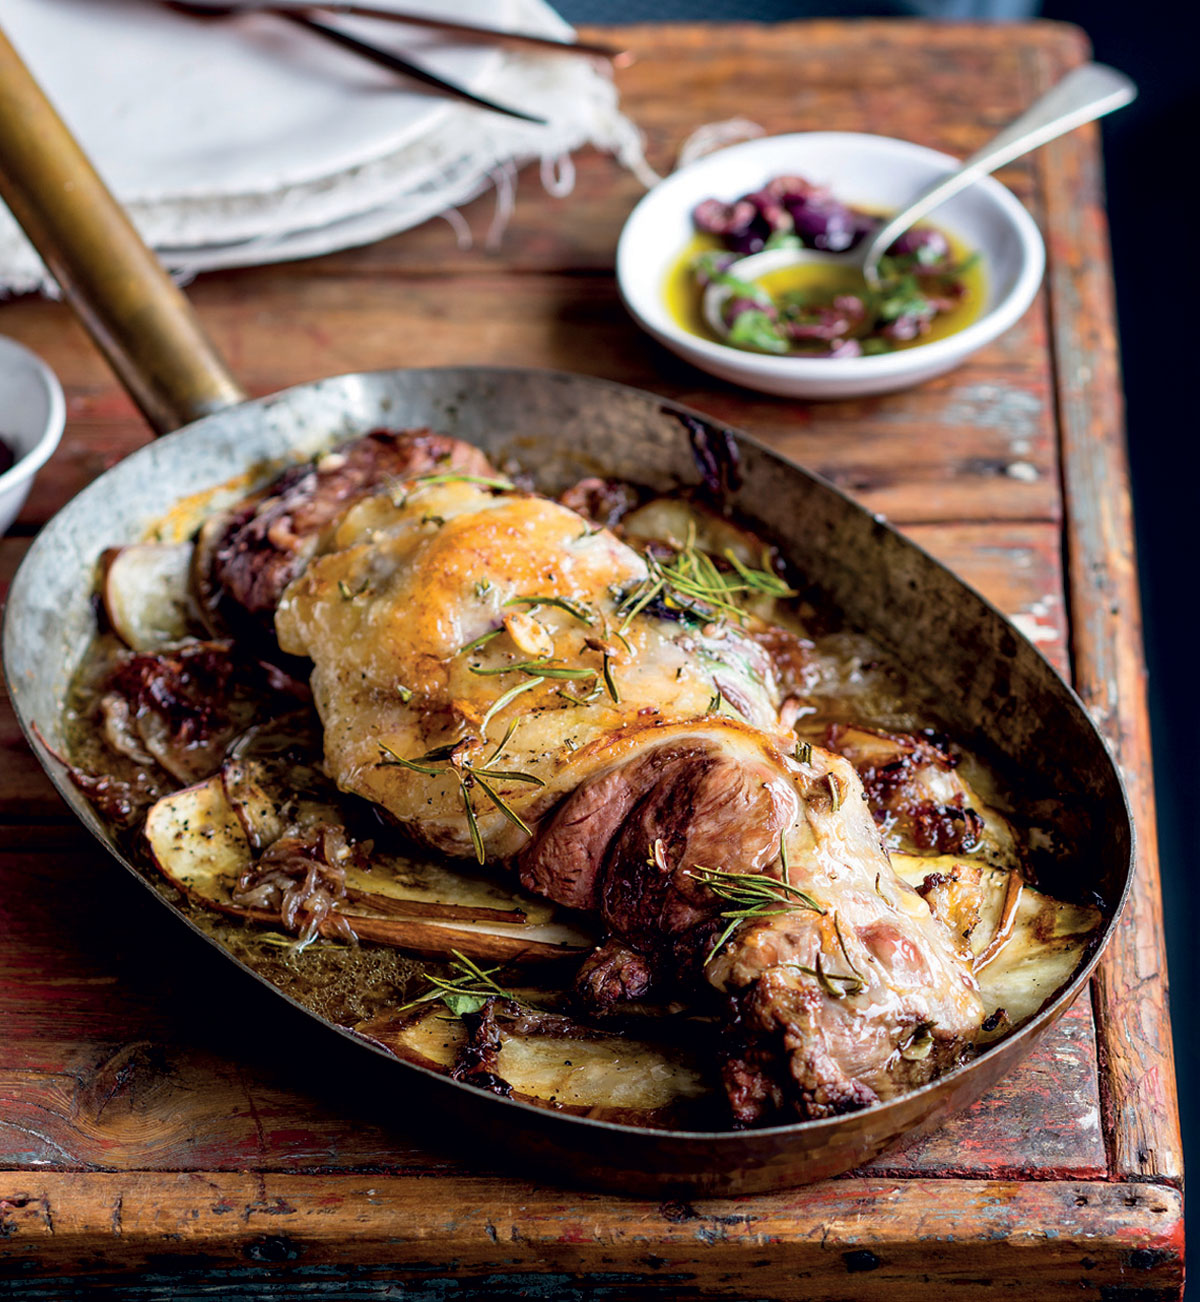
{"points": [[1087, 93]]}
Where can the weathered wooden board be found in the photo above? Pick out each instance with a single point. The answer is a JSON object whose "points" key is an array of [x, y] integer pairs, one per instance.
{"points": [[161, 1115], [1106, 651], [976, 444], [863, 1239]]}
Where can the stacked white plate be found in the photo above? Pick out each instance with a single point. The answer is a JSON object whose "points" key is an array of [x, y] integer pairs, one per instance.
{"points": [[245, 140]]}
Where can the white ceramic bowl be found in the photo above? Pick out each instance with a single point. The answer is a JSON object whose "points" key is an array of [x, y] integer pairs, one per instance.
{"points": [[32, 412], [873, 172]]}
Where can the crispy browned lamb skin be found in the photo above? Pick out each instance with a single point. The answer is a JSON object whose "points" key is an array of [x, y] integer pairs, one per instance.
{"points": [[247, 557]]}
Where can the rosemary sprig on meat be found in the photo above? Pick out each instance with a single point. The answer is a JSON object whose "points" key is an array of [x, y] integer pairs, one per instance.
{"points": [[841, 940], [594, 694], [850, 985], [540, 667], [501, 701], [469, 777], [576, 609], [609, 681], [758, 896], [693, 576], [452, 477], [480, 640], [466, 991]]}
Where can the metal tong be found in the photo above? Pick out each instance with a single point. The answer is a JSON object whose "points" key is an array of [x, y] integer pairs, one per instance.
{"points": [[303, 16]]}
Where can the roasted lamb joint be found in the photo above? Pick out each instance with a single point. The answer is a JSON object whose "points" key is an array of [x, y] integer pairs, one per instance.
{"points": [[842, 991], [513, 682], [853, 1001], [469, 643]]}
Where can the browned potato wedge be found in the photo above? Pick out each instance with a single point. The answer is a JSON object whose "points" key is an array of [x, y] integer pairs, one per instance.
{"points": [[146, 593], [1046, 941], [198, 843], [578, 1069]]}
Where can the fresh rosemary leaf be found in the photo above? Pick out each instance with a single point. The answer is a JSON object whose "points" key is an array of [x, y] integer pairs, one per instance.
{"points": [[480, 640], [609, 681], [404, 693], [760, 580], [835, 791], [472, 824], [398, 761], [637, 599], [512, 727], [803, 752], [851, 985], [573, 608], [540, 667], [501, 804], [837, 931], [718, 945], [484, 481], [348, 593], [596, 692], [507, 775], [507, 699]]}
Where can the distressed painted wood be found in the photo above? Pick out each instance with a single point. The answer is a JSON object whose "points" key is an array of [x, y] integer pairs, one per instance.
{"points": [[1106, 648], [976, 444], [160, 1114], [866, 1239]]}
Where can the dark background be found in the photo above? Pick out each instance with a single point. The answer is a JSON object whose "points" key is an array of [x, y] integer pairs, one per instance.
{"points": [[1150, 161]]}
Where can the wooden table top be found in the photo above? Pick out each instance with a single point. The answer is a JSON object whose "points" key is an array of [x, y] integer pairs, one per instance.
{"points": [[161, 1115]]}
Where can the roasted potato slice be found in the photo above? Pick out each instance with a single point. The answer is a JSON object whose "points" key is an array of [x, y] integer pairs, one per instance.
{"points": [[198, 842], [146, 593], [1042, 942], [576, 1068]]}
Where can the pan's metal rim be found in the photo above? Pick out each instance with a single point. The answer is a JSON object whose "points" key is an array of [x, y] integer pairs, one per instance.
{"points": [[1049, 1011]]}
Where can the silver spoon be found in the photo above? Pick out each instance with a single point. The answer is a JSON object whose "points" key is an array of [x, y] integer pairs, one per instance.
{"points": [[1087, 93]]}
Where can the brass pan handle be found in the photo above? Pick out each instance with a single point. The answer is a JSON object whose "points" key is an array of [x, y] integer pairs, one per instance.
{"points": [[138, 317]]}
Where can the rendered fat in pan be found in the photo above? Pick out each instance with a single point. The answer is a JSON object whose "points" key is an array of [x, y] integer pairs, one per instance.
{"points": [[997, 692]]}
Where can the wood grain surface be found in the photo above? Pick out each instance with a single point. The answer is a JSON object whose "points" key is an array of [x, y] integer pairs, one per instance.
{"points": [[167, 1129]]}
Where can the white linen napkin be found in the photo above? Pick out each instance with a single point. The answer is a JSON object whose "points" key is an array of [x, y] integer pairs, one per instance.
{"points": [[367, 159]]}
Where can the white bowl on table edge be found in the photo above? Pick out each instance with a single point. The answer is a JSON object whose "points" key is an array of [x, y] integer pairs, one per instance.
{"points": [[32, 414], [877, 173]]}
